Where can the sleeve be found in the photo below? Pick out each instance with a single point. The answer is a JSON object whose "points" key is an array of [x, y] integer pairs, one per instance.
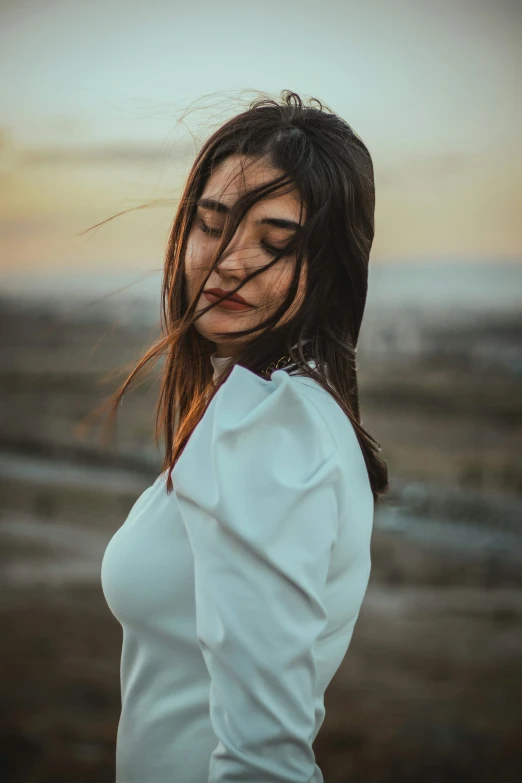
{"points": [[256, 488]]}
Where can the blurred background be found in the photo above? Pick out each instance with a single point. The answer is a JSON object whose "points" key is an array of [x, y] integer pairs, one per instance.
{"points": [[103, 108]]}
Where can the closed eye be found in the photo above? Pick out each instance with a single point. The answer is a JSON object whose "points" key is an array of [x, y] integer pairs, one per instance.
{"points": [[215, 232]]}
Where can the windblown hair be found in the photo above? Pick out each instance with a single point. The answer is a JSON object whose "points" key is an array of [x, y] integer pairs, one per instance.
{"points": [[320, 155]]}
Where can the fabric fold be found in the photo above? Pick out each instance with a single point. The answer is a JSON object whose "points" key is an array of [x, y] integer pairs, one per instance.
{"points": [[256, 490]]}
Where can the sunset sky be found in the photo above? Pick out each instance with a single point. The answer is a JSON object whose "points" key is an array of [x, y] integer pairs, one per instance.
{"points": [[93, 95]]}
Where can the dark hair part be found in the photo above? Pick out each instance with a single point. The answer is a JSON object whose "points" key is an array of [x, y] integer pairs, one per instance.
{"points": [[320, 155]]}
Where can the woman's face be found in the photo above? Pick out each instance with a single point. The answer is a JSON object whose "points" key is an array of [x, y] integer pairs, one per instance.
{"points": [[246, 251]]}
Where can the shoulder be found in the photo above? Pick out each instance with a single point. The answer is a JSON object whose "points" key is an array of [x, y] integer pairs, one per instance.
{"points": [[261, 433], [260, 452], [288, 406], [293, 413]]}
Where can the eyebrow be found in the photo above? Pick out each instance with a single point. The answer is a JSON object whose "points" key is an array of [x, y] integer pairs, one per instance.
{"points": [[218, 206]]}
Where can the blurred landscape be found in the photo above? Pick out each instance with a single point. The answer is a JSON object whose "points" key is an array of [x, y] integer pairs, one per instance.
{"points": [[102, 116], [431, 686]]}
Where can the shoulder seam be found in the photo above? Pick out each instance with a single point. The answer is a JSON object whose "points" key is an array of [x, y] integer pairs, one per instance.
{"points": [[322, 416]]}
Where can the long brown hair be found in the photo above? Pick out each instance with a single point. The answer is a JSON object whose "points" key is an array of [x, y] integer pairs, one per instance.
{"points": [[321, 156]]}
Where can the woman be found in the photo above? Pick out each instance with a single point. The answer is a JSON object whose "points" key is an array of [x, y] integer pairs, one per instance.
{"points": [[239, 574]]}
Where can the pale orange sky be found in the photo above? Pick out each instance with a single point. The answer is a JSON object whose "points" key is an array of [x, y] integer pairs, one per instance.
{"points": [[90, 108]]}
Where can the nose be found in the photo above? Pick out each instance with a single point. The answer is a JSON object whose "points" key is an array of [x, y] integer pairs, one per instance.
{"points": [[242, 253]]}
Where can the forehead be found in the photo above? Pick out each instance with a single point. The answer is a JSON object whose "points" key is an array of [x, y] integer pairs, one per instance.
{"points": [[239, 173]]}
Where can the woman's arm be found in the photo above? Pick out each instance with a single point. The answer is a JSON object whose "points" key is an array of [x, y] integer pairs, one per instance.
{"points": [[256, 487]]}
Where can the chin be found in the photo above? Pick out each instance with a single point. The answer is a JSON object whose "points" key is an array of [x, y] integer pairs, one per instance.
{"points": [[209, 324]]}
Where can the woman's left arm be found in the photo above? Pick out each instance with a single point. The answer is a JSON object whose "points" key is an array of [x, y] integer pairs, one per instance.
{"points": [[256, 487]]}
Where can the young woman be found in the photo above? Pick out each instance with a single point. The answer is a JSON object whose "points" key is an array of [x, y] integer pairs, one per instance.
{"points": [[238, 576]]}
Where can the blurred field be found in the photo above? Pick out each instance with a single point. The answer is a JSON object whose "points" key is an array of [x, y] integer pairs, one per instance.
{"points": [[431, 687]]}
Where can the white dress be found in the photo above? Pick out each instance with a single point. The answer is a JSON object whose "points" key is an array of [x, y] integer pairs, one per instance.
{"points": [[238, 593]]}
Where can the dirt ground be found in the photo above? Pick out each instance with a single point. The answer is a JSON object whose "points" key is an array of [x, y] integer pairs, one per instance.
{"points": [[430, 688]]}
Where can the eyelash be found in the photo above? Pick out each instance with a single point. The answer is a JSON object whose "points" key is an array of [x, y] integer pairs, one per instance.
{"points": [[214, 232]]}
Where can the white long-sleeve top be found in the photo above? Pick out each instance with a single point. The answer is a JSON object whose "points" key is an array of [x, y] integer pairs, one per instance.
{"points": [[239, 592]]}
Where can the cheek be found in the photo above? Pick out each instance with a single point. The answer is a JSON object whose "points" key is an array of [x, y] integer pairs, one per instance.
{"points": [[190, 257], [195, 266], [277, 281], [280, 281]]}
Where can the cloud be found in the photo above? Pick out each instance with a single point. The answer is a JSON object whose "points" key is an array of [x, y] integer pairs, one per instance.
{"points": [[99, 155]]}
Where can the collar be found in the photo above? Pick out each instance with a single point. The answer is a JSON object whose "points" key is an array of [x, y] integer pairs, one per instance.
{"points": [[219, 363]]}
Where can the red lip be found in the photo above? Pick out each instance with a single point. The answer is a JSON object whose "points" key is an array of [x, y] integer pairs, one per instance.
{"points": [[233, 298]]}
